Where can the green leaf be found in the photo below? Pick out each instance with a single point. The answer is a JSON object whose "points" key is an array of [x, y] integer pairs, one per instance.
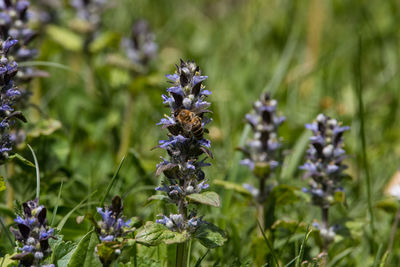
{"points": [[103, 41], [152, 234], [289, 225], [61, 250], [142, 261], [155, 198], [390, 205], [2, 184], [6, 261], [4, 210], [106, 251], [232, 186], [210, 235], [84, 254], [285, 194], [64, 37], [45, 127], [66, 217], [291, 163], [339, 197], [22, 159], [206, 198], [261, 169]]}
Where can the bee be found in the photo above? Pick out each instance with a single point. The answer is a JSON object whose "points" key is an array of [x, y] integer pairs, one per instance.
{"points": [[190, 122]]}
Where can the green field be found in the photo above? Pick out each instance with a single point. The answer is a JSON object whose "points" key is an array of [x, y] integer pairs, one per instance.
{"points": [[340, 58]]}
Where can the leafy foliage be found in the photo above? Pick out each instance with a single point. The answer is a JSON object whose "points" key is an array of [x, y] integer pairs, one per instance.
{"points": [[152, 234], [312, 56]]}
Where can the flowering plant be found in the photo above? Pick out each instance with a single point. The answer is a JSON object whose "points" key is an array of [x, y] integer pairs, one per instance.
{"points": [[188, 150], [324, 168], [32, 235]]}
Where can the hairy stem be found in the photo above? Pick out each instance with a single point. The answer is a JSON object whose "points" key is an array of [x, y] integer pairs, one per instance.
{"points": [[10, 170], [260, 206], [325, 226], [182, 248]]}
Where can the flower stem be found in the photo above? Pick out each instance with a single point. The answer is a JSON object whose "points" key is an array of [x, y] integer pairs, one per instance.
{"points": [[182, 248], [325, 225], [260, 206], [10, 171], [181, 254]]}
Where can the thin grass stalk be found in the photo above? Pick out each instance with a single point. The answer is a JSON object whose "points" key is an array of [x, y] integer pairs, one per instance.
{"points": [[393, 231], [37, 172], [126, 128], [359, 91]]}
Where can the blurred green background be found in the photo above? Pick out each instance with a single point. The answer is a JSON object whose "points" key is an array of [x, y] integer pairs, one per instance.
{"points": [[312, 55]]}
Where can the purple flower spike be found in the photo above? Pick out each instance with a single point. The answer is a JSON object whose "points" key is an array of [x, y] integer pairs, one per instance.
{"points": [[262, 152], [113, 225], [32, 234], [324, 159], [187, 146]]}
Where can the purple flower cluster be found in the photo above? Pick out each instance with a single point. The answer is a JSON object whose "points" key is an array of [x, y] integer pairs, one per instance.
{"points": [[14, 23], [113, 225], [140, 48], [262, 151], [9, 96], [90, 11], [177, 223], [186, 145], [325, 159], [32, 235]]}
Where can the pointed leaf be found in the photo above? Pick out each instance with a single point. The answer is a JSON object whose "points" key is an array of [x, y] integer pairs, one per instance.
{"points": [[61, 250], [22, 159], [84, 254], [206, 198], [64, 37], [210, 235], [339, 197], [156, 197], [2, 184], [153, 234], [102, 42], [390, 205], [262, 169], [232, 186]]}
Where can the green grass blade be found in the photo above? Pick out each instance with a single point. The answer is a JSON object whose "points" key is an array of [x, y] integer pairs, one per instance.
{"points": [[64, 220], [290, 262], [37, 172], [56, 206], [384, 258], [47, 64], [113, 180], [378, 256], [6, 231], [291, 163], [268, 244], [284, 62], [339, 257], [361, 116], [198, 262], [302, 247]]}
